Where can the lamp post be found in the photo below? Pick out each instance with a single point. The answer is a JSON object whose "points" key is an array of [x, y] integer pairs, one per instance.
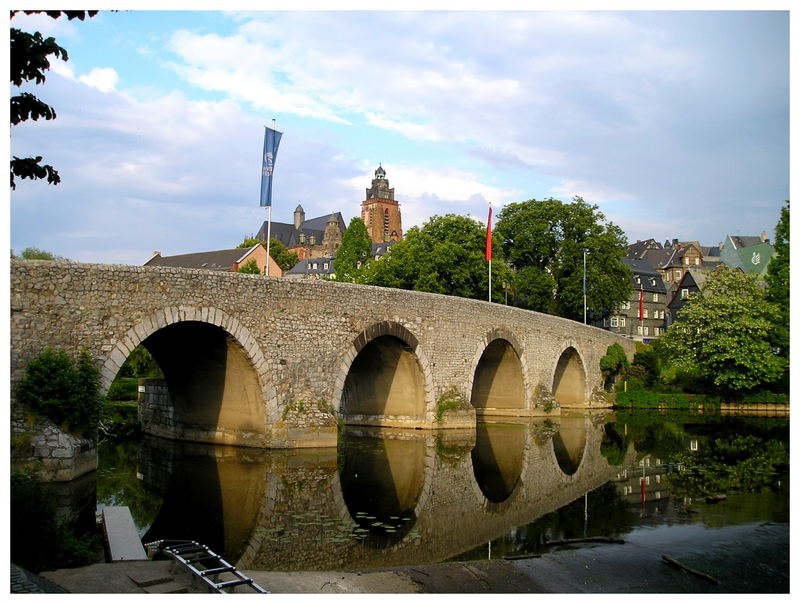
{"points": [[584, 285]]}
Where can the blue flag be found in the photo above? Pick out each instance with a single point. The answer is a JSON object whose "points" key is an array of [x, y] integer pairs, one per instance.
{"points": [[272, 138]]}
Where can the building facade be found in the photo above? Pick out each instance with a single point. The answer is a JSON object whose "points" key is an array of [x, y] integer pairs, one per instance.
{"points": [[380, 211], [643, 316]]}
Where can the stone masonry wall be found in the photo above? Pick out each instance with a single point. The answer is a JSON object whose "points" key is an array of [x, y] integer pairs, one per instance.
{"points": [[300, 336]]}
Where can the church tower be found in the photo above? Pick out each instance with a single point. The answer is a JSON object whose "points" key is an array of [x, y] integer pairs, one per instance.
{"points": [[380, 212]]}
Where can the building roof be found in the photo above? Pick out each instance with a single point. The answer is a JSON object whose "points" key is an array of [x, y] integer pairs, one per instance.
{"points": [[645, 276], [219, 260], [312, 266], [638, 249], [740, 241], [289, 236]]}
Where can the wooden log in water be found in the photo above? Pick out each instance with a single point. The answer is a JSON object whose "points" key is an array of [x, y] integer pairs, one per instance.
{"points": [[689, 570]]}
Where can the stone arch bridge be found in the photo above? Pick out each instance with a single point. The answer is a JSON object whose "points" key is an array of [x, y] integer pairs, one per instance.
{"points": [[265, 362]]}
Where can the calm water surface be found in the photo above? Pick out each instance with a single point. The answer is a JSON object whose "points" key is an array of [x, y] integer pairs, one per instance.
{"points": [[396, 497]]}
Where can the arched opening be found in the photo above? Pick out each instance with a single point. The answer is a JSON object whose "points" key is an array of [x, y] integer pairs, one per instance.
{"points": [[569, 443], [213, 389], [382, 480], [497, 460], [498, 382], [385, 379], [569, 381]]}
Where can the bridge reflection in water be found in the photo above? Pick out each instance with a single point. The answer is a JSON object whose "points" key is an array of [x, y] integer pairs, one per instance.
{"points": [[385, 497]]}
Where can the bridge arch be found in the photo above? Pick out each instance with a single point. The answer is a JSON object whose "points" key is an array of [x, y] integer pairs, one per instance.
{"points": [[499, 379], [215, 373], [568, 380], [384, 378]]}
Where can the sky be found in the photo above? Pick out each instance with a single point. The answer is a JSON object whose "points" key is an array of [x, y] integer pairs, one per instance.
{"points": [[674, 123]]}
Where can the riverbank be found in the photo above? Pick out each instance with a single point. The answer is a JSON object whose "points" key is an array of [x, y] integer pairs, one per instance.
{"points": [[735, 559]]}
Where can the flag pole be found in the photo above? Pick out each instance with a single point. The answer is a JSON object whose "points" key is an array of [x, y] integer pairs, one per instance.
{"points": [[489, 248], [269, 223]]}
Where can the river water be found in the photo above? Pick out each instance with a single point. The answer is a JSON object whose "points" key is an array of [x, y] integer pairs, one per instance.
{"points": [[406, 497]]}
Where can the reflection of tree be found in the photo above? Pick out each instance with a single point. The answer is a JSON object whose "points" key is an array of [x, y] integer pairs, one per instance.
{"points": [[117, 483], [731, 463]]}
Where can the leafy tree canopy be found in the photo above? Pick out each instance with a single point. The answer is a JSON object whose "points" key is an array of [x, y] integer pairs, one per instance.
{"points": [[444, 256], [723, 333], [29, 54], [282, 257], [354, 252], [777, 278], [34, 253], [250, 268], [544, 242]]}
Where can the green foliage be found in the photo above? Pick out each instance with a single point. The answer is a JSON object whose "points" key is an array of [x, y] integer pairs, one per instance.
{"points": [[730, 463], [248, 243], [65, 393], [283, 257], [543, 241], [250, 268], [355, 251], [34, 253], [140, 364], [613, 362], [777, 278], [29, 54], [723, 334], [444, 256], [451, 399], [39, 540], [123, 389]]}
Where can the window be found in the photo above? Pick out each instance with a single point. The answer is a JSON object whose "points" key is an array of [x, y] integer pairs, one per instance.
{"points": [[656, 331], [614, 322], [605, 321], [677, 275], [647, 331], [325, 265], [686, 261], [684, 294], [626, 305], [639, 329], [622, 321], [655, 297], [697, 261]]}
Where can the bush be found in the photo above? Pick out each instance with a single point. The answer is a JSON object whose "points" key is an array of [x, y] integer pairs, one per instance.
{"points": [[39, 539], [66, 394], [613, 363]]}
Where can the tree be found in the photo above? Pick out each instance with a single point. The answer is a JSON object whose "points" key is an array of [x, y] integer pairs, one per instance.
{"points": [[354, 252], [66, 394], [34, 253], [544, 242], [29, 60], [282, 257], [723, 334], [613, 363], [250, 267], [777, 278], [444, 256]]}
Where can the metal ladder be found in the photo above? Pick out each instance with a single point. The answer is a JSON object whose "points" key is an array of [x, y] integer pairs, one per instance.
{"points": [[205, 564]]}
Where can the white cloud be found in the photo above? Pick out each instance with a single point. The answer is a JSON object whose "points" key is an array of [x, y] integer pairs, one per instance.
{"points": [[103, 78]]}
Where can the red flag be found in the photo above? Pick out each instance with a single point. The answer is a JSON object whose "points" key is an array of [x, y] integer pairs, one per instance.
{"points": [[489, 236], [641, 302]]}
